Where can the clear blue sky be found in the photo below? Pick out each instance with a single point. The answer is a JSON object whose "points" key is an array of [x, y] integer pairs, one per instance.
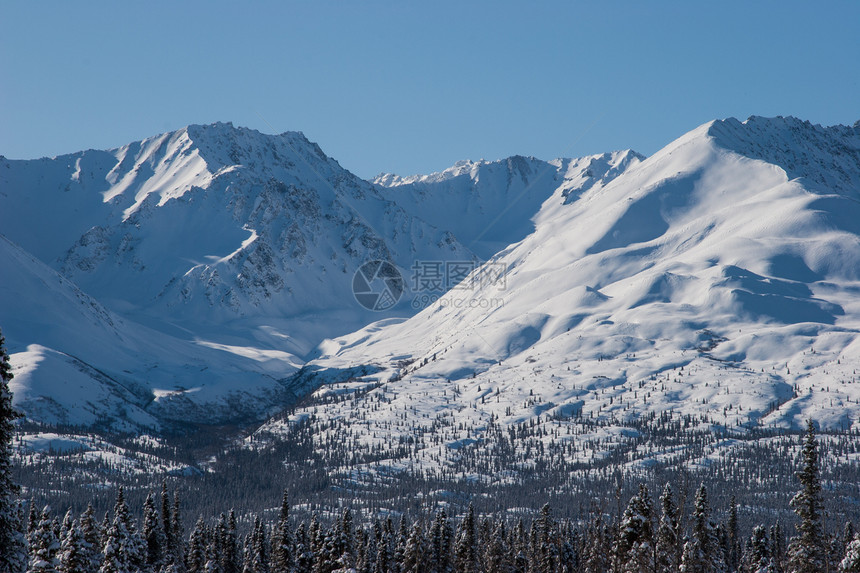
{"points": [[412, 87]]}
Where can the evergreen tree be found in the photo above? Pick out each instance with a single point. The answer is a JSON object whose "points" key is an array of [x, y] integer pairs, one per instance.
{"points": [[195, 560], [231, 555], [441, 537], [67, 524], [385, 548], [115, 551], [668, 542], [74, 556], [214, 550], [547, 552], [598, 547], [851, 562], [13, 541], [635, 543], [153, 534], [806, 551], [758, 557], [496, 558], [519, 548], [257, 552], [283, 544], [92, 539], [167, 525], [304, 557], [44, 546], [33, 518], [466, 550], [343, 543], [365, 547], [413, 555], [569, 558], [177, 533], [733, 555], [701, 552], [400, 545]]}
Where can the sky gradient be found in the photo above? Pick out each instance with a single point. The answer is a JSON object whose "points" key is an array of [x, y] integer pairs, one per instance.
{"points": [[411, 87]]}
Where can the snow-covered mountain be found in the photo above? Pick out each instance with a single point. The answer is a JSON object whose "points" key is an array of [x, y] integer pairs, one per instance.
{"points": [[77, 363], [229, 255], [489, 205], [718, 279], [211, 224], [186, 277]]}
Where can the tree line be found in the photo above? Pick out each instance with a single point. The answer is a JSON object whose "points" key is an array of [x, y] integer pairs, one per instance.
{"points": [[641, 539]]}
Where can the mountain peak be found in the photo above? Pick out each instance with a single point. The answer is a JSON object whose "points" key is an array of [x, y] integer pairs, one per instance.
{"points": [[827, 158]]}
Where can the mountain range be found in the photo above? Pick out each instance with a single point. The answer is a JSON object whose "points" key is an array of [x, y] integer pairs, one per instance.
{"points": [[207, 276]]}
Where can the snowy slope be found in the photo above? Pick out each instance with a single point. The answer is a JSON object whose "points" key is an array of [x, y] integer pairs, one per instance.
{"points": [[235, 250], [212, 224], [76, 363], [489, 205], [718, 278], [226, 251]]}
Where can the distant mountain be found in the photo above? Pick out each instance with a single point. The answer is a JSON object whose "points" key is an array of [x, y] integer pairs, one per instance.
{"points": [[717, 279], [490, 205], [236, 250], [79, 364], [184, 278]]}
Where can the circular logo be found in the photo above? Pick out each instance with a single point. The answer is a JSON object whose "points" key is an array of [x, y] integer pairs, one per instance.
{"points": [[377, 285]]}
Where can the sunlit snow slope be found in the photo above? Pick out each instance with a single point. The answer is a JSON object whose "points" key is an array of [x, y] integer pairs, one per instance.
{"points": [[235, 250], [718, 278]]}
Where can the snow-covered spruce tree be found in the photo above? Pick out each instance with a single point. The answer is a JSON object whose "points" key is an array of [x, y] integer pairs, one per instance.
{"points": [[13, 541], [634, 546], [304, 557], [777, 545], [519, 548], [257, 558], [702, 552], [851, 562], [124, 549], [598, 547], [838, 545], [92, 538], [44, 546], [806, 551], [496, 551], [441, 537], [343, 551], [547, 551], [74, 555], [733, 553], [283, 544], [177, 557], [668, 542], [33, 517], [569, 556], [414, 553], [231, 553], [153, 534], [166, 525], [466, 549], [68, 519], [757, 558], [195, 560]]}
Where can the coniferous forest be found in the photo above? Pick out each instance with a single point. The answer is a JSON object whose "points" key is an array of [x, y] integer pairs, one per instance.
{"points": [[629, 528]]}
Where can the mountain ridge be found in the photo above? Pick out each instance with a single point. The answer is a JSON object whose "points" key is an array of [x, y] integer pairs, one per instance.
{"points": [[701, 283]]}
